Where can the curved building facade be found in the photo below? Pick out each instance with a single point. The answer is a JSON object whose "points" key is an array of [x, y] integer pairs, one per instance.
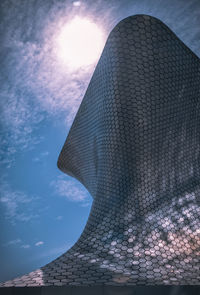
{"points": [[135, 145]]}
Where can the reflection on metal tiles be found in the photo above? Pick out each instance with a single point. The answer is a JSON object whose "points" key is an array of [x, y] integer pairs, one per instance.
{"points": [[135, 145]]}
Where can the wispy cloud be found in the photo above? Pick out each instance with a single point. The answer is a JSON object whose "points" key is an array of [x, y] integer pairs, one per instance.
{"points": [[18, 120], [13, 242], [41, 157], [77, 3], [70, 189], [25, 246], [35, 85], [16, 203], [39, 243], [16, 242]]}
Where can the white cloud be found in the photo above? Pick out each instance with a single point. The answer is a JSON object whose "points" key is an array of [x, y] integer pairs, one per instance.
{"points": [[41, 157], [26, 217], [39, 243], [25, 246], [35, 84], [13, 242], [16, 204], [77, 3], [71, 190], [38, 87], [18, 120]]}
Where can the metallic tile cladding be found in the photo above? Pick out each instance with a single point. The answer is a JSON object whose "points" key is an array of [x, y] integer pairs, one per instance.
{"points": [[135, 145]]}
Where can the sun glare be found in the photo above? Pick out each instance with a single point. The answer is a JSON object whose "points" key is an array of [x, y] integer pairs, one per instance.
{"points": [[79, 43]]}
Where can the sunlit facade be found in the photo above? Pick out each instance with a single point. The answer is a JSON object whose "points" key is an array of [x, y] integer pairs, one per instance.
{"points": [[135, 145]]}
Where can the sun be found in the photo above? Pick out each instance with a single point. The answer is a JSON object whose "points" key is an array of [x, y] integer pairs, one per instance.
{"points": [[79, 43]]}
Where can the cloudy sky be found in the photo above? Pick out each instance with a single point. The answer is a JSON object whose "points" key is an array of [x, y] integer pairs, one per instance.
{"points": [[48, 53]]}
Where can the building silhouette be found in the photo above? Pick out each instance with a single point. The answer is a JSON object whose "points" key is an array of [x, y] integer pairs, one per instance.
{"points": [[135, 146]]}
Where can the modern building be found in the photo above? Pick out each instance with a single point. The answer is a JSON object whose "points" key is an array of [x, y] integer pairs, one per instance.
{"points": [[135, 145]]}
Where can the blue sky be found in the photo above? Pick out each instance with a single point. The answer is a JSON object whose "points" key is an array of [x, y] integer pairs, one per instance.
{"points": [[43, 211]]}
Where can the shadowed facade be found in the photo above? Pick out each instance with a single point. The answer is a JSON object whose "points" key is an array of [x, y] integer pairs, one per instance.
{"points": [[135, 145]]}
